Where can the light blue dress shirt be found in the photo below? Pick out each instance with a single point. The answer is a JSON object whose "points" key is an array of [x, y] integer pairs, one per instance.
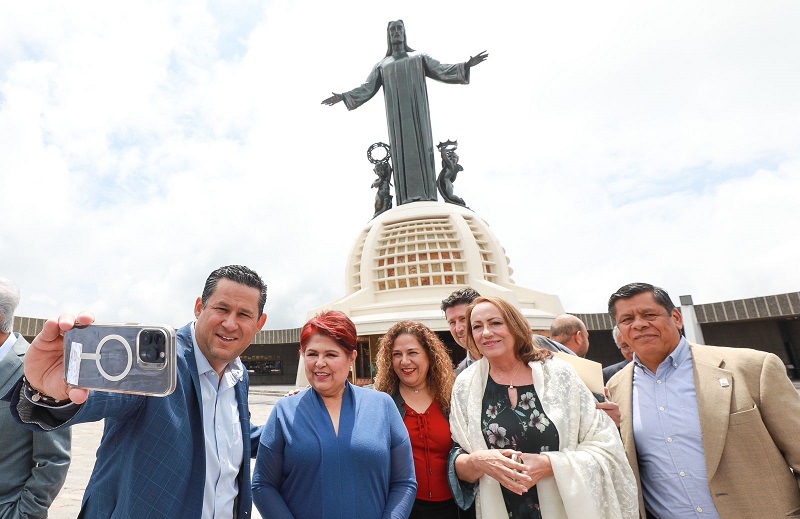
{"points": [[669, 442], [223, 435]]}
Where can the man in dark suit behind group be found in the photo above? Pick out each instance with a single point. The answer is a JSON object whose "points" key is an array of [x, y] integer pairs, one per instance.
{"points": [[709, 431], [33, 466], [624, 349], [183, 456]]}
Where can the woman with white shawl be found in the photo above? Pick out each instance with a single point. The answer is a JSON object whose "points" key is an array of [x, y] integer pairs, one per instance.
{"points": [[528, 440]]}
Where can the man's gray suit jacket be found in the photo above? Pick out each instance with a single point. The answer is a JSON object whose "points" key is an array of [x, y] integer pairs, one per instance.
{"points": [[33, 465]]}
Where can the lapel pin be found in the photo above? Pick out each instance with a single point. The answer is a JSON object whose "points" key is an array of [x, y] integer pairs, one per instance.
{"points": [[724, 382]]}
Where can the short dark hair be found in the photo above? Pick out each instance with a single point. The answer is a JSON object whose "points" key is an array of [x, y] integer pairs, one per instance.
{"points": [[462, 296], [634, 289], [332, 324], [238, 274]]}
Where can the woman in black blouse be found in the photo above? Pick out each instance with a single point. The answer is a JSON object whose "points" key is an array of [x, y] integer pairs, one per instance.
{"points": [[529, 442]]}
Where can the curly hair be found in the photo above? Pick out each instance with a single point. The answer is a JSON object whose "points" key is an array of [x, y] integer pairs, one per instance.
{"points": [[440, 376], [524, 347]]}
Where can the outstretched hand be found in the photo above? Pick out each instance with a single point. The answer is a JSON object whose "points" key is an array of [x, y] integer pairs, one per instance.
{"points": [[480, 58], [44, 361], [332, 100]]}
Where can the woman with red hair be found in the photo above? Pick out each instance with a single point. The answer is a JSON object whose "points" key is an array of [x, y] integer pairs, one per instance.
{"points": [[333, 450]]}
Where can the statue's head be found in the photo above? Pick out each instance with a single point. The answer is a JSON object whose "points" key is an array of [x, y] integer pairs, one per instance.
{"points": [[396, 33]]}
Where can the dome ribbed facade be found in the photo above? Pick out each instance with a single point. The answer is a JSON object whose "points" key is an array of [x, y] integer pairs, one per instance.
{"points": [[406, 260]]}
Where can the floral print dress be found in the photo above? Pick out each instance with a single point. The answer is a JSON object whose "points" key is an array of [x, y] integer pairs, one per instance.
{"points": [[524, 428]]}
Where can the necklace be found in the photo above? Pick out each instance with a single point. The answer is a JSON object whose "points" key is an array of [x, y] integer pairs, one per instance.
{"points": [[416, 391], [511, 384]]}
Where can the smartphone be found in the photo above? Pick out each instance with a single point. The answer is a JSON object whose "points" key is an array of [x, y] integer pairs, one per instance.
{"points": [[122, 358]]}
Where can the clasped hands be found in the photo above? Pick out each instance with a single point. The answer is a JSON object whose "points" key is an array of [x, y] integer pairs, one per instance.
{"points": [[517, 477]]}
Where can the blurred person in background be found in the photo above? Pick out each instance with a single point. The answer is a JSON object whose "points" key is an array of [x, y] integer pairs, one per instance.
{"points": [[570, 331], [33, 465], [624, 349]]}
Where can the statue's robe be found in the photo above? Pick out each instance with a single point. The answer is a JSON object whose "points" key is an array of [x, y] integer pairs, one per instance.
{"points": [[408, 117]]}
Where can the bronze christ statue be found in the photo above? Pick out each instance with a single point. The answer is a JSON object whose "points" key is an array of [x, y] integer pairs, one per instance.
{"points": [[402, 75]]}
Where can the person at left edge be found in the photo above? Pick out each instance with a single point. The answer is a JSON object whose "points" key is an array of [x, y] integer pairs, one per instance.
{"points": [[334, 450], [183, 456], [33, 465]]}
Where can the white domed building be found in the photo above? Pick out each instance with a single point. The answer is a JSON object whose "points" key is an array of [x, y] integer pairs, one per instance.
{"points": [[409, 258]]}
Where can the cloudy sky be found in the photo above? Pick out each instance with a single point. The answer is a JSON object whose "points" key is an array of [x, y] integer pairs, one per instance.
{"points": [[143, 144]]}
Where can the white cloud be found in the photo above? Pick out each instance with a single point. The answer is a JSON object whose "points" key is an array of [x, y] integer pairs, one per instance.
{"points": [[142, 146]]}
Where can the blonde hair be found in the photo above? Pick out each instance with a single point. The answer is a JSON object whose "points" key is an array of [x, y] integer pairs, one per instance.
{"points": [[524, 347]]}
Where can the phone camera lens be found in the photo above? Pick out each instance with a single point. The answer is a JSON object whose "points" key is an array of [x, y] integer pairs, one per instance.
{"points": [[149, 355], [152, 346]]}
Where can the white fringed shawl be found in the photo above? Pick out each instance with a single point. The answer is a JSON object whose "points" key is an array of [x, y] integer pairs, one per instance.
{"points": [[592, 477]]}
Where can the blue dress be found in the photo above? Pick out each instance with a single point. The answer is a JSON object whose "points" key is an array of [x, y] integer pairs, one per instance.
{"points": [[305, 471]]}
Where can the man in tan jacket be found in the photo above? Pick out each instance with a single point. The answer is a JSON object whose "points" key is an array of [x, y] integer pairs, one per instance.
{"points": [[709, 431]]}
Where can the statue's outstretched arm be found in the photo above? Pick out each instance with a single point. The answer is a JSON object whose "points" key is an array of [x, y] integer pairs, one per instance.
{"points": [[332, 100], [480, 58]]}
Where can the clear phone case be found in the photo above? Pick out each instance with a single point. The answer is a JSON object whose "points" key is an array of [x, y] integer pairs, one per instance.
{"points": [[122, 358]]}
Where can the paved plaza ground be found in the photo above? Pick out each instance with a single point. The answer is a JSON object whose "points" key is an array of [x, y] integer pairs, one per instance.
{"points": [[86, 438]]}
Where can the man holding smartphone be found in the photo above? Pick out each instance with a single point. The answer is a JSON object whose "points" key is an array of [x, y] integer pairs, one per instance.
{"points": [[186, 455]]}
